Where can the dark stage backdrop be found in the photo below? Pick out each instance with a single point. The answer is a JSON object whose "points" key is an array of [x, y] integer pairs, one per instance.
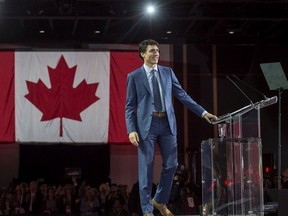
{"points": [[244, 62], [49, 162]]}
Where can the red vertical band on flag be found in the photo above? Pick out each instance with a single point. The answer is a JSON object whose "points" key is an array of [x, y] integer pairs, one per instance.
{"points": [[7, 98], [121, 63]]}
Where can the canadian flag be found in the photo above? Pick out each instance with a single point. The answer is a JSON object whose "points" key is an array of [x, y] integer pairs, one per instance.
{"points": [[64, 96]]}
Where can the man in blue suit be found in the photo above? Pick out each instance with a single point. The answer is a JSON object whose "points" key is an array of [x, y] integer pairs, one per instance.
{"points": [[150, 119]]}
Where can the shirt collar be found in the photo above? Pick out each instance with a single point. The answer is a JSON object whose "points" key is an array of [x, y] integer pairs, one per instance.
{"points": [[148, 69]]}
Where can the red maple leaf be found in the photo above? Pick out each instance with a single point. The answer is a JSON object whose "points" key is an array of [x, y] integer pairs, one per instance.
{"points": [[61, 100]]}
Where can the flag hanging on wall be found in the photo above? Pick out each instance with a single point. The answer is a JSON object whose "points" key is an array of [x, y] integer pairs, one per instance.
{"points": [[76, 97]]}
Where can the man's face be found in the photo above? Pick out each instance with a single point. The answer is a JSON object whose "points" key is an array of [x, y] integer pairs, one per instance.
{"points": [[151, 56]]}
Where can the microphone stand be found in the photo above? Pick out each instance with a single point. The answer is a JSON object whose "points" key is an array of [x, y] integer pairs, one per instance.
{"points": [[276, 80], [280, 91]]}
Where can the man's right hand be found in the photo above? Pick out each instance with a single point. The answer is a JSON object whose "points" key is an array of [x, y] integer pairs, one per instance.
{"points": [[134, 138]]}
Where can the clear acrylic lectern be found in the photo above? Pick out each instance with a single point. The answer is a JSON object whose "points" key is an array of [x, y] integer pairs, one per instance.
{"points": [[232, 164]]}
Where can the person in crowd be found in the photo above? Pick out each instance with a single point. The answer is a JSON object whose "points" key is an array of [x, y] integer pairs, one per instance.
{"points": [[150, 119], [113, 194], [134, 199], [89, 202], [43, 191], [124, 191], [6, 200], [117, 208], [69, 200], [33, 202], [50, 202], [285, 179], [104, 190], [18, 199], [2, 200]]}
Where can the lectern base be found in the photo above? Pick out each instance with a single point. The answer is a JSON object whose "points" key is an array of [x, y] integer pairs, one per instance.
{"points": [[232, 177]]}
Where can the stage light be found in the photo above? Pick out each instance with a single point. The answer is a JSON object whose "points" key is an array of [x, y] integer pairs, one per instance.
{"points": [[150, 9]]}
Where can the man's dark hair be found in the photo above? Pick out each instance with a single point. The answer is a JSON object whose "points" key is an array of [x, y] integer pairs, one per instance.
{"points": [[144, 44]]}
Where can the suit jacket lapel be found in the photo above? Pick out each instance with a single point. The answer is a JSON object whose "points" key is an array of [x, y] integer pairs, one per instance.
{"points": [[143, 78]]}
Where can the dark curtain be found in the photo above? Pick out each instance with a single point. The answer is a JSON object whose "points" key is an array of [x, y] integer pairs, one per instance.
{"points": [[48, 163]]}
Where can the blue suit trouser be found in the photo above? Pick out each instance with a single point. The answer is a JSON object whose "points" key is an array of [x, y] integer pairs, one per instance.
{"points": [[159, 133]]}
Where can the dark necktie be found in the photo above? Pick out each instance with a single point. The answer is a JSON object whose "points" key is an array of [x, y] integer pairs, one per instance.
{"points": [[156, 93]]}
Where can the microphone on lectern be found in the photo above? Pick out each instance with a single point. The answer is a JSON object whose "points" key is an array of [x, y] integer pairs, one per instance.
{"points": [[265, 97], [251, 102]]}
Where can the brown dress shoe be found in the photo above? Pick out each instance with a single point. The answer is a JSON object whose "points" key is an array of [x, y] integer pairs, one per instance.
{"points": [[162, 208], [148, 214]]}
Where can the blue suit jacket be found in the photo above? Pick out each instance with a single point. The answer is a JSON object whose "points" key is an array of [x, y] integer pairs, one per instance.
{"points": [[139, 100]]}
